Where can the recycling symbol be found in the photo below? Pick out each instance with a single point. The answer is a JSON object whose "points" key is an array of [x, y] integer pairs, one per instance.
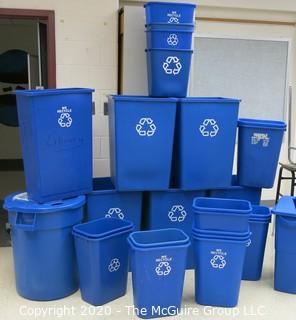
{"points": [[114, 265], [172, 65], [218, 261], [146, 127], [249, 242], [173, 20], [209, 128], [65, 120], [172, 39], [177, 213], [163, 268], [115, 212]]}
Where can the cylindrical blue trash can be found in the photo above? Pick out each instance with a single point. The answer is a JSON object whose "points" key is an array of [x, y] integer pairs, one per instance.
{"points": [[43, 245]]}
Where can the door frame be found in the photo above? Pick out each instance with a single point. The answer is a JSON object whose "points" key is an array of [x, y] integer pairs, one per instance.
{"points": [[47, 16]]}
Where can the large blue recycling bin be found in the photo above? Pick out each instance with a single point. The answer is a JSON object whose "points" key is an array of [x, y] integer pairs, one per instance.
{"points": [[106, 201], [102, 256], [43, 246], [238, 192], [56, 136], [219, 266], [169, 12], [158, 263], [173, 209], [168, 72], [205, 141], [141, 142], [259, 222], [259, 145], [285, 249]]}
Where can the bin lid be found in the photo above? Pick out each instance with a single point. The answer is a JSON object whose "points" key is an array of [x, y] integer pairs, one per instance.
{"points": [[285, 207], [264, 124], [141, 99], [209, 100], [169, 4], [45, 92], [19, 201]]}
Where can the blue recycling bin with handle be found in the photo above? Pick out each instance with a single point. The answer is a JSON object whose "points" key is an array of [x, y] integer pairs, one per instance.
{"points": [[56, 137], [43, 247], [206, 127], [141, 142], [259, 146]]}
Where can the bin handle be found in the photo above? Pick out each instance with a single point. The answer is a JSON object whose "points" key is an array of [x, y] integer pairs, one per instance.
{"points": [[25, 226], [291, 222]]}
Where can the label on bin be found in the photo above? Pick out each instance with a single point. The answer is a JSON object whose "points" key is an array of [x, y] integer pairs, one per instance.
{"points": [[174, 17], [209, 128], [172, 39], [114, 265], [218, 260], [64, 117], [258, 137], [163, 267], [177, 213], [172, 65], [115, 212], [146, 127]]}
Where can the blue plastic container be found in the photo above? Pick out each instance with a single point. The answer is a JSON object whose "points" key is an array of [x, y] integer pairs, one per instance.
{"points": [[141, 142], [222, 214], [207, 126], [106, 201], [158, 263], [169, 12], [170, 27], [43, 247], [56, 136], [259, 143], [168, 72], [102, 256], [219, 266], [259, 223], [238, 192]]}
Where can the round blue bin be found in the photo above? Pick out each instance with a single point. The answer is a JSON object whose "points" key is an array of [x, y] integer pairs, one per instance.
{"points": [[259, 143], [43, 245]]}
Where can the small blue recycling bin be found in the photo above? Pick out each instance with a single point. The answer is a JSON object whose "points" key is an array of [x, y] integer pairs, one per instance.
{"points": [[173, 209], [238, 192], [168, 72], [206, 127], [141, 142], [106, 201], [102, 256], [259, 223], [56, 136], [219, 266], [169, 12], [158, 263], [285, 249], [221, 214], [43, 246], [259, 146]]}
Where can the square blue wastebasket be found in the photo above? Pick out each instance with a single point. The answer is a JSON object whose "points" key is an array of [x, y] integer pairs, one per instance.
{"points": [[141, 142], [56, 136]]}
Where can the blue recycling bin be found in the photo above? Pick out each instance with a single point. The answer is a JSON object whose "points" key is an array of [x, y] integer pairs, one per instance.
{"points": [[172, 209], [219, 266], [206, 127], [56, 137], [158, 263], [259, 223], [141, 142], [102, 256], [168, 72], [285, 250], [106, 201], [259, 146], [43, 246], [236, 191], [169, 12]]}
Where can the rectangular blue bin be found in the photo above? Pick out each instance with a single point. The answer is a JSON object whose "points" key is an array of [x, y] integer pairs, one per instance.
{"points": [[238, 192], [173, 209], [168, 72], [106, 201], [141, 142], [259, 145], [205, 141], [169, 12], [56, 136]]}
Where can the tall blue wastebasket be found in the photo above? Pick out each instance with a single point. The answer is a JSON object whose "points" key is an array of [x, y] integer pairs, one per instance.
{"points": [[56, 136]]}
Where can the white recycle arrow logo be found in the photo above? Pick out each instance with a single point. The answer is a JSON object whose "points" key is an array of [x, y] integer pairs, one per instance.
{"points": [[177, 213], [172, 39], [65, 120], [146, 127], [209, 128], [163, 268], [114, 265], [172, 65], [115, 212], [218, 261]]}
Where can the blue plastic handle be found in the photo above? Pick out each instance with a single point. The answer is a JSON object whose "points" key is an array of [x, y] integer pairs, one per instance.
{"points": [[25, 226]]}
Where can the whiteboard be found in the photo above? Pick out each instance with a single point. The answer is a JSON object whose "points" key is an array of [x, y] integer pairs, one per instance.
{"points": [[254, 71]]}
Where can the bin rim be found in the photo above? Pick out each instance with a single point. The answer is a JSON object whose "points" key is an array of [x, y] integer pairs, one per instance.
{"points": [[170, 50], [140, 98], [264, 124], [19, 202], [220, 234], [228, 240], [259, 217], [178, 26], [285, 207], [170, 31], [209, 99], [44, 92], [151, 3]]}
